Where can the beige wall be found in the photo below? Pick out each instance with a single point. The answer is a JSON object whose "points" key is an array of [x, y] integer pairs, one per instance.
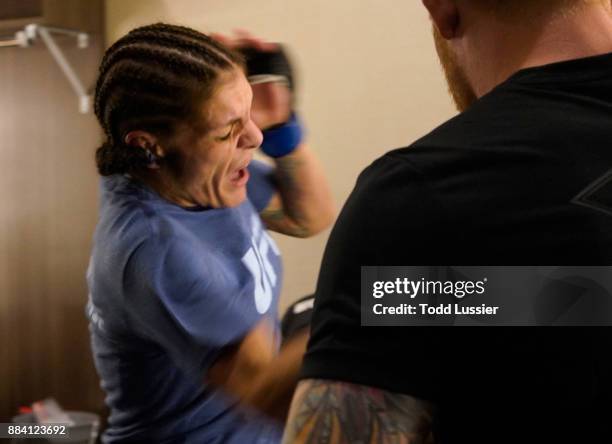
{"points": [[369, 81]]}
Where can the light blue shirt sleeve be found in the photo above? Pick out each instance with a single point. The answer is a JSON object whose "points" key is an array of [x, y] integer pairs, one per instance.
{"points": [[261, 185], [173, 298]]}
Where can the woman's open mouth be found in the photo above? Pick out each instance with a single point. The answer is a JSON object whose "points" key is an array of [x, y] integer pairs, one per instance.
{"points": [[240, 177]]}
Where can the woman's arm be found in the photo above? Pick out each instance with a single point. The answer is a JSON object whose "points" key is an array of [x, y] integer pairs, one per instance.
{"points": [[303, 206], [253, 374]]}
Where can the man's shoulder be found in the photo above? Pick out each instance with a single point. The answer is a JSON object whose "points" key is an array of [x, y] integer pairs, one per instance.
{"points": [[493, 132], [472, 133], [414, 167]]}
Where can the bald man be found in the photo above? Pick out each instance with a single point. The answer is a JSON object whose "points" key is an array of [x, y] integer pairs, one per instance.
{"points": [[522, 176]]}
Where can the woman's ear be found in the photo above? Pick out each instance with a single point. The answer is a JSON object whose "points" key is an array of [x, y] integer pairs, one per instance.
{"points": [[144, 140], [147, 142], [445, 15]]}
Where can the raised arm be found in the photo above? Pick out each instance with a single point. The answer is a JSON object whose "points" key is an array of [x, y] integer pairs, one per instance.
{"points": [[334, 412], [303, 207]]}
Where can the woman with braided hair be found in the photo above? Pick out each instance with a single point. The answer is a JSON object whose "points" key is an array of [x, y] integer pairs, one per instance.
{"points": [[184, 279]]}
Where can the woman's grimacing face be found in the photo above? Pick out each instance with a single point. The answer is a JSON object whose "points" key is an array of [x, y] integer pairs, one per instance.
{"points": [[210, 168]]}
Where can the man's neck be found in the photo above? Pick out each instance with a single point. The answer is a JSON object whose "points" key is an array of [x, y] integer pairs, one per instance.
{"points": [[583, 33]]}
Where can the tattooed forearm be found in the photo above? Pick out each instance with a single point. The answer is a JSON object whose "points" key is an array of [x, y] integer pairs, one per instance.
{"points": [[288, 216], [286, 170], [331, 412], [276, 219], [304, 206]]}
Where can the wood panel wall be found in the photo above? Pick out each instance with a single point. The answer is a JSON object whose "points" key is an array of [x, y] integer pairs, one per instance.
{"points": [[48, 210], [16, 9]]}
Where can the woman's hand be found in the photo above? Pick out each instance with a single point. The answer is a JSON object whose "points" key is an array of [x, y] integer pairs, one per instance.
{"points": [[271, 100]]}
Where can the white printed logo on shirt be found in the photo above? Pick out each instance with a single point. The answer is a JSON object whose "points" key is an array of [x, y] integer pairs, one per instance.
{"points": [[258, 263]]}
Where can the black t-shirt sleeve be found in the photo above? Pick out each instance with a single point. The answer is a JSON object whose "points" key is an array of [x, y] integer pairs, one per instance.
{"points": [[391, 218]]}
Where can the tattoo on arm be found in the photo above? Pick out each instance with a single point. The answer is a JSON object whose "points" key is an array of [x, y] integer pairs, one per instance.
{"points": [[289, 187], [278, 220], [286, 168], [287, 217], [331, 412], [273, 215]]}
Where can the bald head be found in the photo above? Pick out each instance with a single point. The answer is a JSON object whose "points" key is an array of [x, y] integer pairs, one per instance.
{"points": [[482, 42]]}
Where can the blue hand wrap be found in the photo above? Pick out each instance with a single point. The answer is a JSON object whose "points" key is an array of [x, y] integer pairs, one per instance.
{"points": [[284, 139]]}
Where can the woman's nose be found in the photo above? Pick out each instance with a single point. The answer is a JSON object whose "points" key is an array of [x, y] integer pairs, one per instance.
{"points": [[251, 137]]}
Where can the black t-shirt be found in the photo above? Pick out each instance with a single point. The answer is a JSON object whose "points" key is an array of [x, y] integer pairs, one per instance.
{"points": [[500, 184]]}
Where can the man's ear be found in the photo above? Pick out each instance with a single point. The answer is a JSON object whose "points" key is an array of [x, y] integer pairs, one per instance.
{"points": [[445, 16], [145, 141]]}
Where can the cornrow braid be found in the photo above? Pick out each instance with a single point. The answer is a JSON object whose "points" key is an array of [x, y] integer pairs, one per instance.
{"points": [[164, 39], [145, 62], [193, 34], [153, 79]]}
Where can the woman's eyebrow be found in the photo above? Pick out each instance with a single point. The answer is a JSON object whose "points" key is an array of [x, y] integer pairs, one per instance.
{"points": [[231, 122]]}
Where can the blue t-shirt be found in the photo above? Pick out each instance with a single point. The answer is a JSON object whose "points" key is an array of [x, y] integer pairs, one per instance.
{"points": [[169, 289]]}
